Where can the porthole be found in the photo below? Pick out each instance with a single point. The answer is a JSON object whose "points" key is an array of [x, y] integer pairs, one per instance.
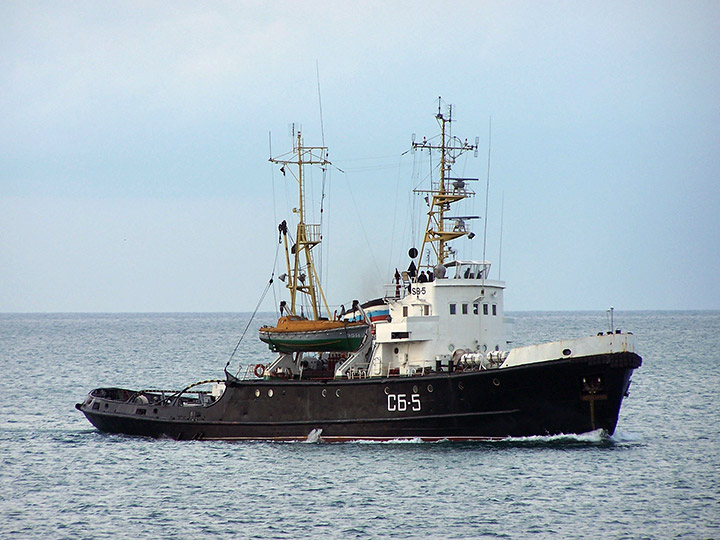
{"points": [[387, 390], [397, 350], [155, 411], [270, 393], [324, 392], [567, 352], [337, 393], [430, 388], [496, 382], [257, 392], [415, 389], [461, 386]]}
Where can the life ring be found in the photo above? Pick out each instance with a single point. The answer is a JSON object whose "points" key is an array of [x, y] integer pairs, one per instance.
{"points": [[259, 370]]}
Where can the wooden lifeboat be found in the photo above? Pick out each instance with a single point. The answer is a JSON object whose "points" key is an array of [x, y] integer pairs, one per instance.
{"points": [[296, 334]]}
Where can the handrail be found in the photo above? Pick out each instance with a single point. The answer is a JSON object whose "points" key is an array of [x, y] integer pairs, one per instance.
{"points": [[176, 395]]}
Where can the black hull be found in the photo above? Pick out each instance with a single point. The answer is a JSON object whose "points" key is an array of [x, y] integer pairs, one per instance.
{"points": [[546, 398]]}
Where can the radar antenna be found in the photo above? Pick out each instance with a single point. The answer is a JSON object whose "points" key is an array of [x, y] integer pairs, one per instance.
{"points": [[447, 190]]}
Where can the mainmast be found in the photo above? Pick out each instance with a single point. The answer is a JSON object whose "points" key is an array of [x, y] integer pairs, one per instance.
{"points": [[447, 191], [302, 275]]}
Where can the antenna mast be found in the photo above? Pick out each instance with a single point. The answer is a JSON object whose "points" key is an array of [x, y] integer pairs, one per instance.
{"points": [[308, 235], [437, 234]]}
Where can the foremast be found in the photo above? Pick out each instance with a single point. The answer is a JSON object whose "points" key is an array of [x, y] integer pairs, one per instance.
{"points": [[445, 192], [302, 274]]}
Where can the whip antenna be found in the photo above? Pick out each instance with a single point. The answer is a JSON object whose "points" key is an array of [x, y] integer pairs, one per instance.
{"points": [[487, 192], [322, 128]]}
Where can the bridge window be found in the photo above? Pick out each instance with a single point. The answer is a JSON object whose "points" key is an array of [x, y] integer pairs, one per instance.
{"points": [[485, 309], [464, 309], [494, 309], [452, 309], [476, 309]]}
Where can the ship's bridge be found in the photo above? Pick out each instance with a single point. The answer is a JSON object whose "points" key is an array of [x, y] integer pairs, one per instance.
{"points": [[469, 269], [468, 272], [438, 316]]}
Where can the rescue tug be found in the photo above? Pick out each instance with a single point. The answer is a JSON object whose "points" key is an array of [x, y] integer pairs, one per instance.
{"points": [[428, 360]]}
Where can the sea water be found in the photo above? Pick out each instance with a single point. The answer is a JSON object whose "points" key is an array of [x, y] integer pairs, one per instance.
{"points": [[657, 477]]}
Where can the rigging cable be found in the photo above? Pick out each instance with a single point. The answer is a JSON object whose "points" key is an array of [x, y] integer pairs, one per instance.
{"points": [[415, 215], [272, 178], [262, 297], [487, 191], [324, 245], [395, 212], [362, 226], [324, 169], [272, 183]]}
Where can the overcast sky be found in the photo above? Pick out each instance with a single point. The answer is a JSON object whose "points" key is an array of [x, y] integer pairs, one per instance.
{"points": [[134, 145]]}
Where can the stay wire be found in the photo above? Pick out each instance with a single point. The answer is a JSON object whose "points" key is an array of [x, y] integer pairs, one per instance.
{"points": [[257, 307], [362, 227]]}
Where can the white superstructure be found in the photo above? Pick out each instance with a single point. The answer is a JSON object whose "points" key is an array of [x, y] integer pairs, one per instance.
{"points": [[440, 321]]}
